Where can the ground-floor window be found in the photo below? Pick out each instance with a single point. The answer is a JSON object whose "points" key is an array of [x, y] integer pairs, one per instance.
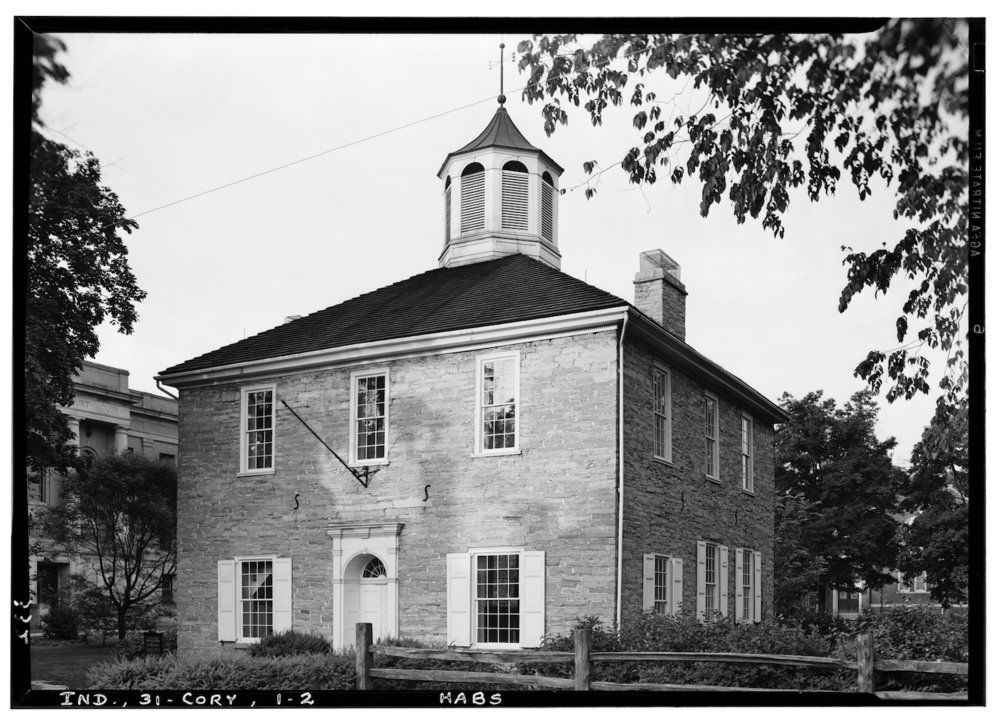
{"points": [[662, 583], [713, 579], [748, 564], [254, 597], [496, 597]]}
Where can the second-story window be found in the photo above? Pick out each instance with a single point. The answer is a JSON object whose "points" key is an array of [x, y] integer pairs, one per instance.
{"points": [[711, 436], [661, 414], [369, 418], [746, 452], [257, 422], [497, 403]]}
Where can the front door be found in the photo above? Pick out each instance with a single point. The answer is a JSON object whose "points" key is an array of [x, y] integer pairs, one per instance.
{"points": [[365, 596]]}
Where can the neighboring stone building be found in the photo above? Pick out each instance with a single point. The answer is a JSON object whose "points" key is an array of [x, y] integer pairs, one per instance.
{"points": [[106, 417], [530, 449]]}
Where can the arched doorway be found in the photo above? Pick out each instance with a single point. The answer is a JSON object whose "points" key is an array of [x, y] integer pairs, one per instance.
{"points": [[366, 595]]}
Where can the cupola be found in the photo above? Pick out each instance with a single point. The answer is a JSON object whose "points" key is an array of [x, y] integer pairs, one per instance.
{"points": [[500, 198]]}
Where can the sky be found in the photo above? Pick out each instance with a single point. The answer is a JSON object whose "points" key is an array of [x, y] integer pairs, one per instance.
{"points": [[171, 116]]}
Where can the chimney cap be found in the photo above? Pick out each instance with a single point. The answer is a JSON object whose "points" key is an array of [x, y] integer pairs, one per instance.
{"points": [[657, 259]]}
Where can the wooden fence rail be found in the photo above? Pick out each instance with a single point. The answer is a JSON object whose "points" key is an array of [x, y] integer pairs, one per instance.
{"points": [[583, 659]]}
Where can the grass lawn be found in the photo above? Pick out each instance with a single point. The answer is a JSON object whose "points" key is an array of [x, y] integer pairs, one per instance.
{"points": [[68, 664]]}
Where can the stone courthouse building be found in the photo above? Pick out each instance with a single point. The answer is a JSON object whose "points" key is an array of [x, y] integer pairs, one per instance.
{"points": [[523, 448]]}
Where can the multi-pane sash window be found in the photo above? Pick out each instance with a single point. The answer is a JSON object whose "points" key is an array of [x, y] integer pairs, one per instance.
{"points": [[256, 598], [498, 599], [661, 414], [498, 381], [258, 430], [916, 585], [747, 583], [712, 437], [711, 577], [661, 585], [746, 452], [369, 412]]}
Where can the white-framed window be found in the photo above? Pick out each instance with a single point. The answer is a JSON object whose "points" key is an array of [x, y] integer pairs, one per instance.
{"points": [[662, 431], [497, 398], [748, 595], [257, 429], [746, 452], [662, 583], [369, 417], [496, 598], [917, 585], [254, 597], [711, 436], [712, 579]]}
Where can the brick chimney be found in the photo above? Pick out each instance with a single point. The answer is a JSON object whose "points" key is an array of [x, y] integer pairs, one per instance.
{"points": [[659, 292]]}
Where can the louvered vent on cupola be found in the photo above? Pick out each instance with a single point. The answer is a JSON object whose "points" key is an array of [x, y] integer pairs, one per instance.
{"points": [[514, 196], [447, 210], [473, 198], [548, 206]]}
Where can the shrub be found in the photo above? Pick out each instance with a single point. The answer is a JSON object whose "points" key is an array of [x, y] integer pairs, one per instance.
{"points": [[227, 671], [60, 623], [134, 645], [289, 643]]}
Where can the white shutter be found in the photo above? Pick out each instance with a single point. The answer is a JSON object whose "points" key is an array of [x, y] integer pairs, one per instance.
{"points": [[548, 214], [724, 580], [677, 581], [648, 582], [227, 600], [700, 580], [739, 585], [459, 595], [473, 215], [281, 580], [756, 586], [532, 598], [514, 200]]}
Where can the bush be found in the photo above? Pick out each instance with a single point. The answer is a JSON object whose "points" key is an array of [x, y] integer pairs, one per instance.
{"points": [[289, 643], [61, 623], [134, 645], [228, 671]]}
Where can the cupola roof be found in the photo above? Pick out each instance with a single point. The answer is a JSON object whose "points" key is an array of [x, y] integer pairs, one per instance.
{"points": [[500, 133]]}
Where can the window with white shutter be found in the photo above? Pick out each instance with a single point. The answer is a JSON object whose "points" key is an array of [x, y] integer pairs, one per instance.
{"points": [[496, 598], [254, 597], [662, 583], [712, 580]]}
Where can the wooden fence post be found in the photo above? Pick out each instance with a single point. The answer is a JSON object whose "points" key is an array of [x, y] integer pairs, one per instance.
{"points": [[363, 644], [866, 663], [581, 661]]}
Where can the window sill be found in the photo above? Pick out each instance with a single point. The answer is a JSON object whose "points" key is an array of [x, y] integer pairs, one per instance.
{"points": [[748, 492], [714, 480], [368, 462], [663, 460], [505, 452], [257, 472]]}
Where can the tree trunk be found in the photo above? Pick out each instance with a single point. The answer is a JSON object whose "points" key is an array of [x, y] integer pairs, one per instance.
{"points": [[121, 623]]}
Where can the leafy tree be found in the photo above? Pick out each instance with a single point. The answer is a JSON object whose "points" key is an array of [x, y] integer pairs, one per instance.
{"points": [[786, 111], [77, 273], [121, 511], [830, 458], [936, 494], [802, 571]]}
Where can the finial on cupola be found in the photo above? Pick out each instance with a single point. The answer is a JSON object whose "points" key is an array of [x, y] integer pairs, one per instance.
{"points": [[501, 98]]}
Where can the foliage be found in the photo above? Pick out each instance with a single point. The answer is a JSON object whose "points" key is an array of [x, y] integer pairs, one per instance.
{"points": [[936, 493], [687, 634], [122, 510], [831, 459], [134, 645], [782, 112], [76, 273], [60, 622], [289, 643], [802, 571], [229, 671]]}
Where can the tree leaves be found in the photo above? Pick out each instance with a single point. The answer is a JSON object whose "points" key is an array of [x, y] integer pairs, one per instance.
{"points": [[864, 109]]}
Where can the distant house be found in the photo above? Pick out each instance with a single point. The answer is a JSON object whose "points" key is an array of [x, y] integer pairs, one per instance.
{"points": [[529, 448], [106, 417]]}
